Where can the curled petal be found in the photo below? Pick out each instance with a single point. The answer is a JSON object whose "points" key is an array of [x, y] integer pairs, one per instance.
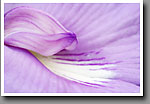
{"points": [[107, 56], [36, 31]]}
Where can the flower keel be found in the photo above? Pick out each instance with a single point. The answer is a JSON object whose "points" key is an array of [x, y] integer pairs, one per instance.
{"points": [[36, 31]]}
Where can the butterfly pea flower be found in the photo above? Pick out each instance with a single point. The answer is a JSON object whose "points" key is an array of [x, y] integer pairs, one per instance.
{"points": [[72, 48]]}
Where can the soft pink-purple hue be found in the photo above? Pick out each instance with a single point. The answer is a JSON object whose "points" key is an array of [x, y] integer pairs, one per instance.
{"points": [[109, 32]]}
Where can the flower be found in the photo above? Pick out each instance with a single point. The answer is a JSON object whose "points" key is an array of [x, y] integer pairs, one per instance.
{"points": [[81, 48]]}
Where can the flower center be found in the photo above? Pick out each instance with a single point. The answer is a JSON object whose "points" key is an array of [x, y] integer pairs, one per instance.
{"points": [[44, 36]]}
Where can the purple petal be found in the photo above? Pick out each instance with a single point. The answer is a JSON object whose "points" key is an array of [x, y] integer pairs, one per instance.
{"points": [[112, 31], [29, 75], [36, 31], [108, 33]]}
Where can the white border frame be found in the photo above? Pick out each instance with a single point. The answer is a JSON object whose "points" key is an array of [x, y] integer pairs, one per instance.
{"points": [[72, 94]]}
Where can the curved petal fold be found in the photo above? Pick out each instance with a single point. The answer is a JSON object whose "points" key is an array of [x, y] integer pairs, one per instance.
{"points": [[36, 31], [106, 58]]}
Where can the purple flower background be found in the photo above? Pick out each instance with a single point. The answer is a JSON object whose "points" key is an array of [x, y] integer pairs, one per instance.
{"points": [[102, 34]]}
